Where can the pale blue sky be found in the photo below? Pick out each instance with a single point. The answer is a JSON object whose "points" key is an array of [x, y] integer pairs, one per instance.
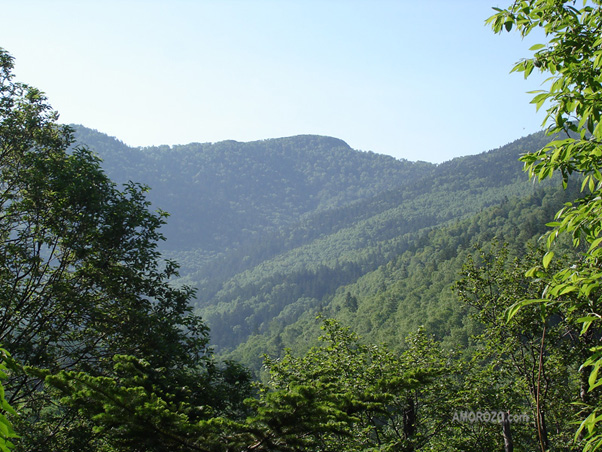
{"points": [[421, 80]]}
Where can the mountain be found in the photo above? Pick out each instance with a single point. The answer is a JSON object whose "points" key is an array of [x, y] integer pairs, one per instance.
{"points": [[273, 232], [221, 194]]}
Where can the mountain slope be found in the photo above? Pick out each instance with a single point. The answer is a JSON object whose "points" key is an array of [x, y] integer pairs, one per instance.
{"points": [[413, 287], [271, 232], [221, 194], [303, 276]]}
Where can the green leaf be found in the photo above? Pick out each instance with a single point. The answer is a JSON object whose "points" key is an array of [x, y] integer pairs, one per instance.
{"points": [[587, 322], [595, 244], [547, 258], [593, 376], [537, 47], [513, 310]]}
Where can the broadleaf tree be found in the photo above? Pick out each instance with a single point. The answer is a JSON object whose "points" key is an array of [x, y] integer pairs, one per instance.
{"points": [[538, 356], [6, 429], [572, 55], [81, 279]]}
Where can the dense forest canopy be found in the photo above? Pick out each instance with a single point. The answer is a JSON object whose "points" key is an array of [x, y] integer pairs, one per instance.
{"points": [[254, 290], [239, 189], [355, 302]]}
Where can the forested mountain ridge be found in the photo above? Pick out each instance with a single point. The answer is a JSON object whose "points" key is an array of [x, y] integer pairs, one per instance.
{"points": [[220, 194], [270, 232], [232, 196]]}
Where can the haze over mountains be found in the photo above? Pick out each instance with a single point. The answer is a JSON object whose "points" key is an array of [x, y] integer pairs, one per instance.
{"points": [[273, 232]]}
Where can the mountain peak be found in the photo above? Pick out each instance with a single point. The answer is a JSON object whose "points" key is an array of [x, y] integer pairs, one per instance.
{"points": [[313, 140]]}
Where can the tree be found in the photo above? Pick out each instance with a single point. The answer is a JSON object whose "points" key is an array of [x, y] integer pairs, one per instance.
{"points": [[134, 409], [81, 279], [537, 356], [572, 55], [6, 428], [344, 395]]}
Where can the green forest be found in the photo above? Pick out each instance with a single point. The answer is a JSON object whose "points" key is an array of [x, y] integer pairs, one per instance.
{"points": [[295, 294]]}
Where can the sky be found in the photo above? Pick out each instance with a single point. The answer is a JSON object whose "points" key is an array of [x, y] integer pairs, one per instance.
{"points": [[418, 80]]}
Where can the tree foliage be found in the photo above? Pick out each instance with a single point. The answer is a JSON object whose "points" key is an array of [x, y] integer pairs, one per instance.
{"points": [[81, 278], [537, 352], [138, 407], [343, 395], [412, 287], [6, 428], [572, 55]]}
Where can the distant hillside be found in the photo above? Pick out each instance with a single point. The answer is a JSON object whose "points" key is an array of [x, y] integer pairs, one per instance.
{"points": [[222, 194], [412, 287], [300, 269], [272, 232]]}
